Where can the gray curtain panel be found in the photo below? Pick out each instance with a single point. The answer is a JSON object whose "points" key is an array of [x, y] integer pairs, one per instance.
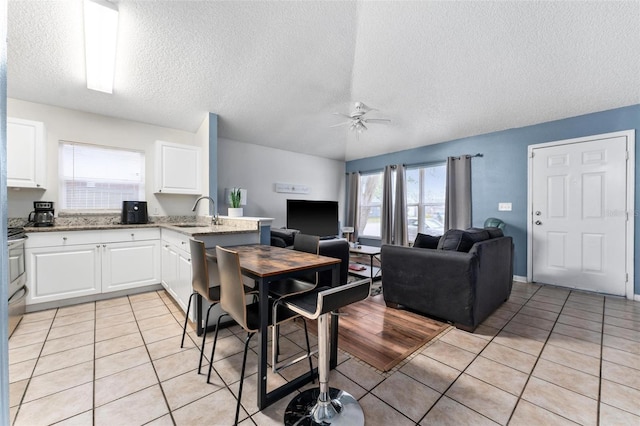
{"points": [[458, 193], [353, 188], [400, 236], [386, 215]]}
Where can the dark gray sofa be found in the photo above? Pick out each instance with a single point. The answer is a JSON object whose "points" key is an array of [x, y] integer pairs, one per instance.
{"points": [[450, 283]]}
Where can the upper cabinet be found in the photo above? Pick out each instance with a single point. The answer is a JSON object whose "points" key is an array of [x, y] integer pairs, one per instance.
{"points": [[26, 154], [178, 169]]}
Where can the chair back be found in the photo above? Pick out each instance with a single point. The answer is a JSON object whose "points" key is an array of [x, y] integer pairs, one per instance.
{"points": [[308, 244], [232, 296], [199, 268], [338, 297]]}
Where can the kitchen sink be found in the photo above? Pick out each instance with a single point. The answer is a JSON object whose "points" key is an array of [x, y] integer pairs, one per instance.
{"points": [[189, 225]]}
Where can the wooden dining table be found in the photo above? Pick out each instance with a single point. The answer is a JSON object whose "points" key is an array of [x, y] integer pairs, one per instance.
{"points": [[264, 264]]}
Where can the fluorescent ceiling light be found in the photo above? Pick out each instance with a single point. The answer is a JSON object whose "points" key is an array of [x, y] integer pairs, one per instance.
{"points": [[100, 39]]}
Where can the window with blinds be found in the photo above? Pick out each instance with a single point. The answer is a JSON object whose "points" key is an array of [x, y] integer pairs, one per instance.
{"points": [[100, 178], [426, 187]]}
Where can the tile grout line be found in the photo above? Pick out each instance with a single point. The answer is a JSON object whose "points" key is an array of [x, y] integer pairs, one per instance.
{"points": [[164, 396], [34, 368], [538, 359]]}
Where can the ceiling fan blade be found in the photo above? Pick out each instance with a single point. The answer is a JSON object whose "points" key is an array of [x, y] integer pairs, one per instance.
{"points": [[341, 124], [376, 120], [342, 115]]}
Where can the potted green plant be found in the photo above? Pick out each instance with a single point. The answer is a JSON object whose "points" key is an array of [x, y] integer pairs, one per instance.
{"points": [[235, 200]]}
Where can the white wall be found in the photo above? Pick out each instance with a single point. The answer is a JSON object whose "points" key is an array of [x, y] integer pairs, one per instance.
{"points": [[78, 126], [257, 168]]}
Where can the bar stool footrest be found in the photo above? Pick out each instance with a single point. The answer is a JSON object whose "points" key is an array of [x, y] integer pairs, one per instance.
{"points": [[306, 410]]}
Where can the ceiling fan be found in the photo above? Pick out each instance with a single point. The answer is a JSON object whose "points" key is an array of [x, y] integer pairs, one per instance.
{"points": [[357, 120]]}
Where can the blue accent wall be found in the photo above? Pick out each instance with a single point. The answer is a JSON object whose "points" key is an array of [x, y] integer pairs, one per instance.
{"points": [[213, 159], [501, 174]]}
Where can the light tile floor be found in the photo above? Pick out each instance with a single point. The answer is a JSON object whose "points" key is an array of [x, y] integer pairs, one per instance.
{"points": [[547, 356]]}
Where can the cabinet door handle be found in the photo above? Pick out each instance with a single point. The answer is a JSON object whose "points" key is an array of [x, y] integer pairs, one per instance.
{"points": [[98, 246], [133, 234], [104, 245], [64, 238]]}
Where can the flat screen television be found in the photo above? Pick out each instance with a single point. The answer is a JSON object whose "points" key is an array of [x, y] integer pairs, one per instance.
{"points": [[313, 217]]}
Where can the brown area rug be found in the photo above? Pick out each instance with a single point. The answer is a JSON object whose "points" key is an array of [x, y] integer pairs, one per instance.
{"points": [[380, 336]]}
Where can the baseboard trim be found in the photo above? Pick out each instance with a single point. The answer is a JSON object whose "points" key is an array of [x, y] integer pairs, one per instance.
{"points": [[520, 279], [35, 307]]}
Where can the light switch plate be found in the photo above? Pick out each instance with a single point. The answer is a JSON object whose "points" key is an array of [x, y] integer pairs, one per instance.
{"points": [[504, 207]]}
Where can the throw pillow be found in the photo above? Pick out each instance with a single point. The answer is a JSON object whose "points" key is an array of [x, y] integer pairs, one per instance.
{"points": [[426, 241], [456, 240], [478, 234]]}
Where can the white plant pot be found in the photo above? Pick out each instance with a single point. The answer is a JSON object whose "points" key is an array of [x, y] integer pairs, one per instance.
{"points": [[235, 212]]}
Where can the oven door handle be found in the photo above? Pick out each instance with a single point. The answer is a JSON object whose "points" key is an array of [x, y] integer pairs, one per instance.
{"points": [[17, 241], [19, 295]]}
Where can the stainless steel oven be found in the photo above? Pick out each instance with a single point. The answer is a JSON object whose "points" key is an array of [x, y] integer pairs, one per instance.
{"points": [[17, 290]]}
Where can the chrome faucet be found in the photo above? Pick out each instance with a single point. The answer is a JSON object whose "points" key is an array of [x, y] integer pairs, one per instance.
{"points": [[214, 217]]}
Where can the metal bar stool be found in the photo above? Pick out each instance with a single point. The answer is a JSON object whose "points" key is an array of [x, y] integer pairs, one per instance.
{"points": [[325, 405], [232, 299], [200, 283], [280, 290]]}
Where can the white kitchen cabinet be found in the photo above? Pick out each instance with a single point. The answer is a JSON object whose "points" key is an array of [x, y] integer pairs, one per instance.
{"points": [[130, 265], [63, 272], [176, 267], [64, 265], [26, 153], [178, 169]]}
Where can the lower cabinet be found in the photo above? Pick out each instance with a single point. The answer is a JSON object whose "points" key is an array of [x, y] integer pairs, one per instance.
{"points": [[130, 265], [176, 267], [56, 273], [64, 265]]}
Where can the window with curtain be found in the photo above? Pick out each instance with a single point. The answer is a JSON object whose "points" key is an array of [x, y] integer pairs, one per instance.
{"points": [[370, 204], [99, 178], [425, 199]]}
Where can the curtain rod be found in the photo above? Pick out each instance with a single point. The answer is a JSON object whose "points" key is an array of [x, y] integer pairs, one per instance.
{"points": [[468, 156], [393, 166]]}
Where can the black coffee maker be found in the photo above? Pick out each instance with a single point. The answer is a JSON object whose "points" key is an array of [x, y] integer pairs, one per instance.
{"points": [[42, 214]]}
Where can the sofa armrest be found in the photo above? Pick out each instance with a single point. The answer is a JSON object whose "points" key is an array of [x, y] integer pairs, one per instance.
{"points": [[495, 275], [437, 282]]}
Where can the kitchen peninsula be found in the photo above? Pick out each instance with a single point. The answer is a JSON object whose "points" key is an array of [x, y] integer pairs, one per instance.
{"points": [[86, 258]]}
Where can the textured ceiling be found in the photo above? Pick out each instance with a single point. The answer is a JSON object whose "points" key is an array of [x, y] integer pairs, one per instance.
{"points": [[275, 71]]}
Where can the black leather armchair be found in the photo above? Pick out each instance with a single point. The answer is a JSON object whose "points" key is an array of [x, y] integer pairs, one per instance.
{"points": [[463, 288]]}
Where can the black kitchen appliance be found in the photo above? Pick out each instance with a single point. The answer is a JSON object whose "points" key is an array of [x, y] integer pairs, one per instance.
{"points": [[42, 214], [134, 212]]}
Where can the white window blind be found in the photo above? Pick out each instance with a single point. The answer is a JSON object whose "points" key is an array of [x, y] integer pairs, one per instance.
{"points": [[95, 177], [370, 203], [425, 199]]}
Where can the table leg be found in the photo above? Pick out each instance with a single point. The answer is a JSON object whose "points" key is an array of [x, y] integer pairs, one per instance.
{"points": [[333, 358], [262, 340]]}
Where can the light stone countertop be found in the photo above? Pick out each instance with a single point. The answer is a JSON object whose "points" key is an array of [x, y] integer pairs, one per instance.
{"points": [[227, 226]]}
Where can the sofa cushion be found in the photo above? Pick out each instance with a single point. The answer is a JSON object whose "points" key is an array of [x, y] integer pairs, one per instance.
{"points": [[478, 234], [462, 240], [495, 232], [455, 240], [426, 241]]}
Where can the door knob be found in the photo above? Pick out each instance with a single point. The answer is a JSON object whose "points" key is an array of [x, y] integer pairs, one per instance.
{"points": [[538, 222]]}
